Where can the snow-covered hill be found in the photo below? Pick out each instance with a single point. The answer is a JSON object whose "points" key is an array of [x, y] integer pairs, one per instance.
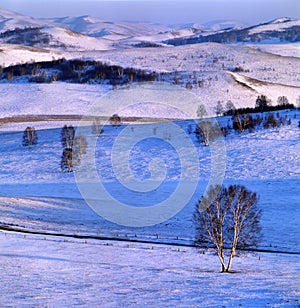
{"points": [[16, 28], [232, 72], [206, 67], [217, 25], [280, 30], [10, 20], [70, 40], [53, 37], [280, 24], [100, 28], [11, 54]]}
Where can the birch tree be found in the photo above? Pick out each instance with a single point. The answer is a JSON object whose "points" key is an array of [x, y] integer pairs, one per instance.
{"points": [[30, 137], [115, 120], [66, 163], [79, 148], [219, 109], [67, 136], [67, 140], [207, 131], [230, 223], [97, 127]]}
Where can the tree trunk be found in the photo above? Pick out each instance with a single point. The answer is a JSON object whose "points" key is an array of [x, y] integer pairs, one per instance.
{"points": [[221, 258], [230, 260]]}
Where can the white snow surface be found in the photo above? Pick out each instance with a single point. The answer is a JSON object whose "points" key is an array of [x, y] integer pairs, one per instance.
{"points": [[206, 66], [59, 271], [277, 26], [43, 270], [48, 99], [76, 41], [11, 54], [101, 28], [11, 20], [286, 50]]}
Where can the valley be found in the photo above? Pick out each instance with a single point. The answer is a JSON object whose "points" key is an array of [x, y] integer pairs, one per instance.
{"points": [[134, 94]]}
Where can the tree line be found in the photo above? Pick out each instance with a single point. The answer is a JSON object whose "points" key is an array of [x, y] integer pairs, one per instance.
{"points": [[77, 71]]}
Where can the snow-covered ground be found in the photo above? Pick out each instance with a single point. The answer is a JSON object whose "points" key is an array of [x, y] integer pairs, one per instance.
{"points": [[37, 196], [266, 161], [48, 99], [61, 272], [206, 67], [11, 54], [44, 261], [278, 25], [286, 50]]}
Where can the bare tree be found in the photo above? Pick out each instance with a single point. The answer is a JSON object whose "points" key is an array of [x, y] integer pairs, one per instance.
{"points": [[201, 112], [80, 146], [219, 108], [115, 120], [66, 163], [207, 131], [230, 223], [282, 100], [241, 122], [230, 108], [29, 137], [67, 136], [270, 121], [97, 128], [67, 140], [262, 103]]}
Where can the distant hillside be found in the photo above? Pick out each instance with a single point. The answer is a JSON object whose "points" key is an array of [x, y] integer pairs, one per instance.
{"points": [[280, 30], [84, 33], [54, 38]]}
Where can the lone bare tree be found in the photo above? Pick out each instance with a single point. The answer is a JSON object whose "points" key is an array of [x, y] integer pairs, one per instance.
{"points": [[219, 109], [97, 128], [115, 120], [29, 137], [67, 141], [67, 136], [80, 146], [201, 112], [230, 108], [230, 222], [207, 131], [262, 103], [66, 163]]}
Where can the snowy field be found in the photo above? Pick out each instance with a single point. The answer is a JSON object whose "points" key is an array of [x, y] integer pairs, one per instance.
{"points": [[124, 270], [62, 270], [59, 272], [55, 251], [32, 179]]}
